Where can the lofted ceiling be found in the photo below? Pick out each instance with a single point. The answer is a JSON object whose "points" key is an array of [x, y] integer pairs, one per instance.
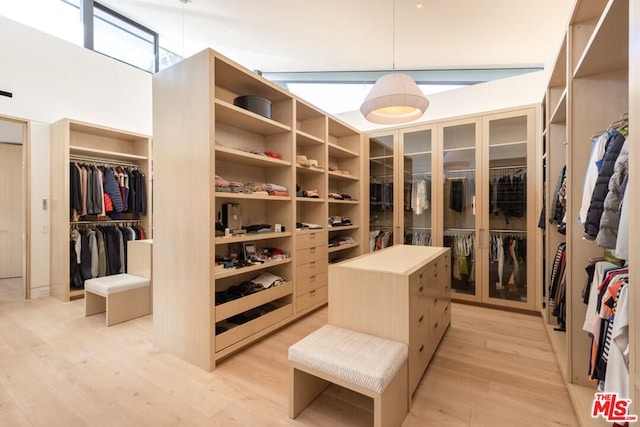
{"points": [[341, 35]]}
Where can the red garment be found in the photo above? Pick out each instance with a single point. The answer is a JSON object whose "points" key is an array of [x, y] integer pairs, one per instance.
{"points": [[273, 155], [278, 193], [108, 203]]}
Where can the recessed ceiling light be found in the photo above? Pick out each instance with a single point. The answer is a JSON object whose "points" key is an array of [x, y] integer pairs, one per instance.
{"points": [[185, 1], [419, 6]]}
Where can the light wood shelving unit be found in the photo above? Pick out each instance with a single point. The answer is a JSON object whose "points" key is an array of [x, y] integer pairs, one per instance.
{"points": [[200, 134], [593, 64], [99, 144]]}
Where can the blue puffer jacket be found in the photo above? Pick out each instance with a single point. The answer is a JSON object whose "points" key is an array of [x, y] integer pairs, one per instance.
{"points": [[612, 150]]}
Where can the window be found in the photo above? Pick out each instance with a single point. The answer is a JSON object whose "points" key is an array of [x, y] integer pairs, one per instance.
{"points": [[119, 37]]}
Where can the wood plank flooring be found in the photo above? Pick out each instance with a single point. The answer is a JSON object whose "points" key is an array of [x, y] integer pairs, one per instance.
{"points": [[58, 368]]}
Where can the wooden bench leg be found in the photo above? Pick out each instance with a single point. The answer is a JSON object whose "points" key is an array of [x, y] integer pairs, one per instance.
{"points": [[93, 304], [303, 389], [391, 407], [123, 306]]}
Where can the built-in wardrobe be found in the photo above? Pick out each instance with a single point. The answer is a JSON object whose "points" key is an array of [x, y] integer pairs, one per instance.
{"points": [[589, 107], [470, 184]]}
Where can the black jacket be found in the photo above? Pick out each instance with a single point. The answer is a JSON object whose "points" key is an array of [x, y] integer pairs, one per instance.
{"points": [[612, 150]]}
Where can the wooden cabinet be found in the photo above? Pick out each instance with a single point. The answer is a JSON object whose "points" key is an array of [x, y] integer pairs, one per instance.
{"points": [[202, 140], [401, 293], [593, 64], [442, 184], [90, 144]]}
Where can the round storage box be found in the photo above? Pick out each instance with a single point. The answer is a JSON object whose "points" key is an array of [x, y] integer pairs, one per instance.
{"points": [[255, 104]]}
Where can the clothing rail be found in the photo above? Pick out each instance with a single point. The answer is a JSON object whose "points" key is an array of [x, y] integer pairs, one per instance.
{"points": [[102, 161], [418, 173], [418, 228], [495, 168], [107, 222], [508, 231]]}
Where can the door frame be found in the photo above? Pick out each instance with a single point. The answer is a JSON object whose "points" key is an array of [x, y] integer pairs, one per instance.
{"points": [[26, 200]]}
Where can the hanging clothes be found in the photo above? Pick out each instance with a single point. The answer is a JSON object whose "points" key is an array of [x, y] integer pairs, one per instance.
{"points": [[596, 207]]}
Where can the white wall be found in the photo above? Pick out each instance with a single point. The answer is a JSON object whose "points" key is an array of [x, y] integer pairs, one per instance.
{"points": [[524, 89], [51, 79]]}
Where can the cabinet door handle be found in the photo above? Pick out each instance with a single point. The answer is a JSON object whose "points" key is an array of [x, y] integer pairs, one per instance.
{"points": [[421, 319], [421, 348], [435, 301], [435, 326], [421, 275], [420, 289]]}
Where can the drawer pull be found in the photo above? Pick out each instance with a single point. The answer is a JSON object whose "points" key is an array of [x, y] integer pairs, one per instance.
{"points": [[435, 301], [421, 348], [312, 293], [421, 319], [421, 275], [435, 326], [312, 278], [420, 289], [312, 236], [312, 264], [312, 250]]}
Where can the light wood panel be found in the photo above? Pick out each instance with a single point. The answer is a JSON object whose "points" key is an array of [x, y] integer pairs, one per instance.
{"points": [[492, 368], [11, 211]]}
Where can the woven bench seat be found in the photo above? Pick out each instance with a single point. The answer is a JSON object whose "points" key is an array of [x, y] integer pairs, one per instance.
{"points": [[366, 364]]}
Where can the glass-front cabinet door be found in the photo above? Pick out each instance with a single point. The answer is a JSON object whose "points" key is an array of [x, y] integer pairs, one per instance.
{"points": [[508, 187], [460, 162], [382, 218], [416, 165]]}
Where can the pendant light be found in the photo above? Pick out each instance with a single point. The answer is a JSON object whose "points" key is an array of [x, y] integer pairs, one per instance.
{"points": [[395, 98]]}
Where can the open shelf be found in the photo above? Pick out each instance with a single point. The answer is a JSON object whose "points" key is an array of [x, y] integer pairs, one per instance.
{"points": [[103, 154], [245, 158], [234, 336], [250, 237], [223, 195], [559, 115], [240, 305], [244, 119], [309, 170], [340, 152], [343, 176], [309, 200], [343, 202], [305, 139], [607, 48], [343, 247], [347, 227], [230, 272]]}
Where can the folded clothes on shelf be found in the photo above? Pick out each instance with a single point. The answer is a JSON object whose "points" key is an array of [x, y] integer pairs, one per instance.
{"points": [[257, 228], [339, 221], [278, 193], [276, 187], [307, 225], [341, 241]]}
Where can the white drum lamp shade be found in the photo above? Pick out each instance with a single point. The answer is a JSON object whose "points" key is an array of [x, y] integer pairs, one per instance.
{"points": [[395, 98]]}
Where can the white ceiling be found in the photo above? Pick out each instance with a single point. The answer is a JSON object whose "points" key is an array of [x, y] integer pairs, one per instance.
{"points": [[338, 35]]}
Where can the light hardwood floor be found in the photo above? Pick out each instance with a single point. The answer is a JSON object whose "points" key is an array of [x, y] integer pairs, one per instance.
{"points": [[58, 368]]}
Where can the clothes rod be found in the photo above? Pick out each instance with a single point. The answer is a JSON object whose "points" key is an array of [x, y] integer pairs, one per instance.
{"points": [[495, 168], [103, 161], [466, 230], [418, 228], [106, 222], [508, 231]]}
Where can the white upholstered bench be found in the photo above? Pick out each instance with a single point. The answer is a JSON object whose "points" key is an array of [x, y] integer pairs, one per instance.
{"points": [[122, 296], [373, 366]]}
